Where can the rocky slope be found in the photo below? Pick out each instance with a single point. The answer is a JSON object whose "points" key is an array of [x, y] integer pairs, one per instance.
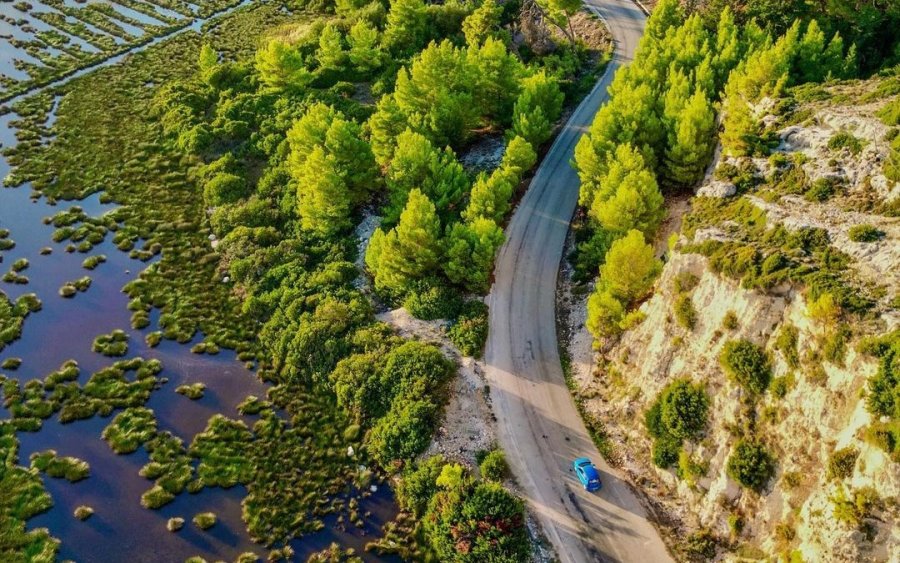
{"points": [[764, 240]]}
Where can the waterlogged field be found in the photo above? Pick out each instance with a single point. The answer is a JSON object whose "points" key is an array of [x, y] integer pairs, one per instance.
{"points": [[44, 41], [133, 425]]}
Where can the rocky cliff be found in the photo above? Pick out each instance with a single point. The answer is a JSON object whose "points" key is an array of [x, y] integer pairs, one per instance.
{"points": [[797, 253]]}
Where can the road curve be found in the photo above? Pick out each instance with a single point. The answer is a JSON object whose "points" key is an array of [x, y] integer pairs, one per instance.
{"points": [[539, 427]]}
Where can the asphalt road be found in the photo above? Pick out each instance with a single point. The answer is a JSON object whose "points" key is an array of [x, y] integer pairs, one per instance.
{"points": [[539, 427]]}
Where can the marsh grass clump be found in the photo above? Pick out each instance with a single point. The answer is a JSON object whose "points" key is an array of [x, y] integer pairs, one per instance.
{"points": [[13, 314], [84, 512], [129, 429], [69, 468], [113, 344], [19, 265], [205, 520], [192, 391], [92, 262], [175, 524], [224, 451], [69, 289], [11, 364]]}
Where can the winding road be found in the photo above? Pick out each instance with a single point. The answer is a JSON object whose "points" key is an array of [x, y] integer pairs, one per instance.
{"points": [[539, 427]]}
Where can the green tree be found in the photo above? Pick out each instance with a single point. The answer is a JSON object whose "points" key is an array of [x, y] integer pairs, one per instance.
{"points": [[633, 200], [683, 409], [537, 108], [365, 50], [470, 250], [496, 75], [386, 125], [604, 314], [403, 433], [324, 201], [417, 164], [490, 196], [751, 465], [406, 26], [331, 54], [482, 23], [281, 67], [630, 268], [691, 141], [435, 94], [410, 251], [560, 13], [419, 484]]}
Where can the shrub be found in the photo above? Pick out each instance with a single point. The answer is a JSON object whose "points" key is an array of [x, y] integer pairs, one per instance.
{"points": [[469, 331], [701, 545], [683, 409], [751, 465], [843, 139], [432, 302], [730, 320], [786, 343], [865, 233], [493, 467], [820, 190], [781, 385], [665, 451], [83, 512], [841, 463], [419, 484], [747, 364], [685, 313]]}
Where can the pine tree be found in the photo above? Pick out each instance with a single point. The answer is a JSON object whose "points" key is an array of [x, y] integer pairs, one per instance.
{"points": [[323, 200], [604, 314], [408, 252], [406, 26], [365, 51], [537, 108], [435, 94], [629, 197], [490, 196], [518, 157], [729, 48], [808, 65], [482, 23], [418, 164], [666, 14], [385, 125], [308, 131], [691, 141], [470, 250], [281, 67], [560, 12], [331, 54], [630, 268], [496, 74]]}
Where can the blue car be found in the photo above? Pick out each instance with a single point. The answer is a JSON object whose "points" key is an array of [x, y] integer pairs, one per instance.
{"points": [[587, 474]]}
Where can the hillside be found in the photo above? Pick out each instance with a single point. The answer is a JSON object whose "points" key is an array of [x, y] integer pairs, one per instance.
{"points": [[784, 272]]}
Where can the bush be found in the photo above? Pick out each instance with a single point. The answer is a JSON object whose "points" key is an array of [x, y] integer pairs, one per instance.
{"points": [[685, 313], [730, 320], [701, 546], [205, 520], [751, 465], [469, 331], [683, 409], [493, 467], [419, 484], [865, 233], [665, 452], [841, 463], [747, 364], [433, 302], [843, 139]]}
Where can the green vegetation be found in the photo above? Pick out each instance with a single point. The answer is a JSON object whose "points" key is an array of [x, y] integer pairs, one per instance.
{"points": [[83, 512], [71, 469], [685, 312], [865, 233], [845, 140], [113, 344], [679, 413], [841, 463], [192, 391], [13, 314], [470, 329], [746, 364], [205, 520], [882, 400], [493, 466], [130, 429], [751, 465], [174, 524]]}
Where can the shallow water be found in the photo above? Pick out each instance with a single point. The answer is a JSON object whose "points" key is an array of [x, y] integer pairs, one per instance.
{"points": [[120, 529]]}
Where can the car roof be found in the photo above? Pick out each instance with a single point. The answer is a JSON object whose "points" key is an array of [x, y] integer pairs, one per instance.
{"points": [[591, 473]]}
